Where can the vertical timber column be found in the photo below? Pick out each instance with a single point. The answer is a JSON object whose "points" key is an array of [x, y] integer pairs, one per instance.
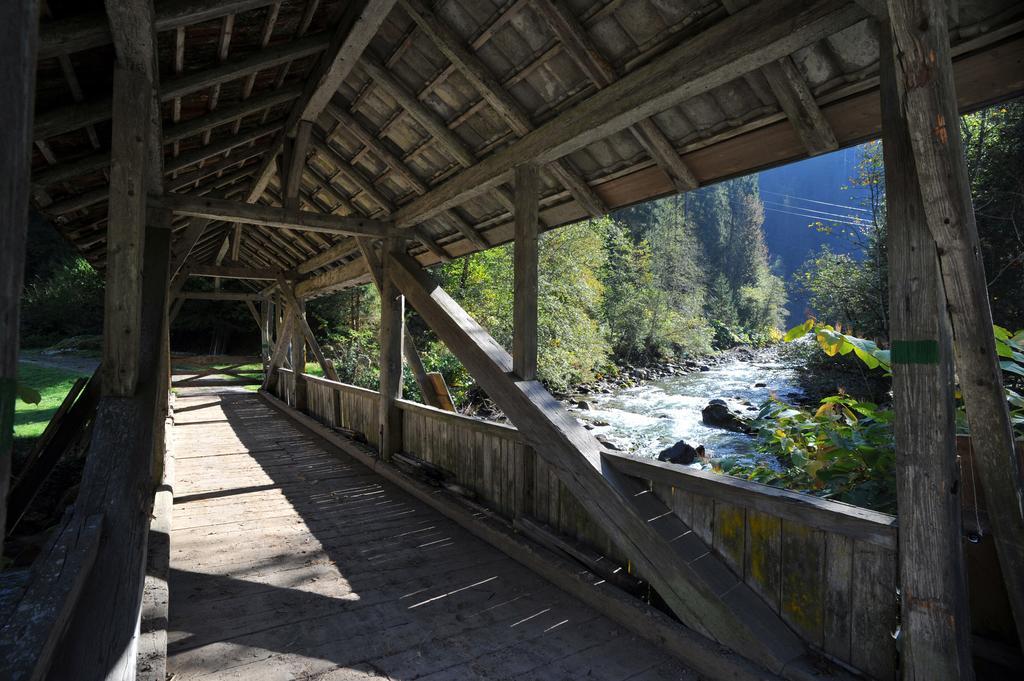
{"points": [[392, 321], [935, 616], [19, 24], [924, 77], [125, 231], [267, 311], [524, 342], [299, 356]]}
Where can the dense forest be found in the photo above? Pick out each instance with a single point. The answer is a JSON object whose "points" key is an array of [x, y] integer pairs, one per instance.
{"points": [[677, 277]]}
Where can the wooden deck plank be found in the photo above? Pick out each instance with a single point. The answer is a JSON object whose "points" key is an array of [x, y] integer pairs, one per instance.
{"points": [[290, 562]]}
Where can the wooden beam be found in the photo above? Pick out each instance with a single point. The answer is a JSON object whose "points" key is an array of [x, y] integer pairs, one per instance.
{"points": [[233, 272], [392, 326], [78, 33], [284, 336], [218, 295], [102, 636], [336, 252], [282, 218], [524, 341], [296, 161], [34, 627], [588, 57], [747, 40], [481, 78], [935, 618], [924, 76], [76, 116], [346, 48], [125, 232], [337, 111], [360, 23], [289, 296], [217, 117], [412, 356], [323, 146], [693, 582], [795, 98], [19, 24]]}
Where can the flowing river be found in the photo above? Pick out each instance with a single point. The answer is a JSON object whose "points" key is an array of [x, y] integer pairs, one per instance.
{"points": [[649, 417]]}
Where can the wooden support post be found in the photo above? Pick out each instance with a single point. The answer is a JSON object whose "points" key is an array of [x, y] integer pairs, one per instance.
{"points": [[429, 387], [524, 342], [19, 25], [305, 331], [298, 352], [935, 617], [125, 231], [101, 639], [924, 78], [392, 322], [266, 328], [277, 359]]}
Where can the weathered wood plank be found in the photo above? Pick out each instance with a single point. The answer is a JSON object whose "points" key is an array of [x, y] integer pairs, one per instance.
{"points": [[924, 77], [764, 564], [117, 479], [585, 53], [803, 593], [827, 515], [524, 341], [268, 216], [874, 611], [839, 571], [30, 637], [933, 582], [126, 232], [233, 272], [392, 326]]}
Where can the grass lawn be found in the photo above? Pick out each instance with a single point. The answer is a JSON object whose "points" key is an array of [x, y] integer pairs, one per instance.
{"points": [[53, 385]]}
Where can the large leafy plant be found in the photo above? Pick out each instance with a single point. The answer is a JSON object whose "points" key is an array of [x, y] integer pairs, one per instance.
{"points": [[842, 450]]}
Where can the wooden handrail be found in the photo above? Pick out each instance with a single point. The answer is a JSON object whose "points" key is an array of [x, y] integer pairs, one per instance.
{"points": [[31, 633], [461, 421], [832, 516]]}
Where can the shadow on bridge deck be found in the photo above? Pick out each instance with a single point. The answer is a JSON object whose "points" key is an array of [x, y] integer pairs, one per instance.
{"points": [[292, 562]]}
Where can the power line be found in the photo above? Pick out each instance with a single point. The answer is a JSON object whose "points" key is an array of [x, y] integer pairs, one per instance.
{"points": [[854, 218], [824, 203]]}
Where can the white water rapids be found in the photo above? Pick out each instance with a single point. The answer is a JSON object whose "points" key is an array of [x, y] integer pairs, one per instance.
{"points": [[649, 417]]}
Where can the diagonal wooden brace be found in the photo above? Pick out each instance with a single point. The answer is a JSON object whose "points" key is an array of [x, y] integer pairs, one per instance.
{"points": [[695, 584], [293, 304]]}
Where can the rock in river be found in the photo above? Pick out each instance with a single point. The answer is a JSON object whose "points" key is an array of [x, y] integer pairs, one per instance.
{"points": [[681, 453], [718, 415]]}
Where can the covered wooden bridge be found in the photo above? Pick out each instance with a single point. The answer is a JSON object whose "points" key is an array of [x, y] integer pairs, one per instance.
{"points": [[305, 146]]}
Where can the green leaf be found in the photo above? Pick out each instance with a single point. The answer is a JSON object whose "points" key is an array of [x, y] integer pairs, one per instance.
{"points": [[798, 331], [1012, 367]]}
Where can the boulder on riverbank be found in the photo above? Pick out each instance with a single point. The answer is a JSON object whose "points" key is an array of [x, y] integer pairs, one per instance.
{"points": [[718, 415], [682, 453]]}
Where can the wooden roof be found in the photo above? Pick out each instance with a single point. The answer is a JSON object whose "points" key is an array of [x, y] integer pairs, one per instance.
{"points": [[425, 123]]}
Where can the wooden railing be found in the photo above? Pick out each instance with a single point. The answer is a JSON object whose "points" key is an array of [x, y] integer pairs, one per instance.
{"points": [[829, 569]]}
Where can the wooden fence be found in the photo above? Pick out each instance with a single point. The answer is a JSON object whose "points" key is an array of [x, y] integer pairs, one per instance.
{"points": [[829, 569]]}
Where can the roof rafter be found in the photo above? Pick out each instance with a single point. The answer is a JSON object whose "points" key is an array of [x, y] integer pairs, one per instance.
{"points": [[269, 216], [477, 73], [795, 98], [738, 44], [582, 50]]}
